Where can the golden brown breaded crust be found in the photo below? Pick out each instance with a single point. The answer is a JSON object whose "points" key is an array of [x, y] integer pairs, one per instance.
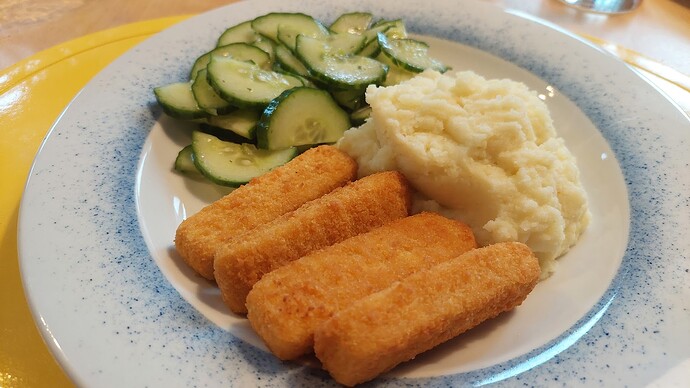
{"points": [[310, 175], [423, 310], [288, 304], [345, 212]]}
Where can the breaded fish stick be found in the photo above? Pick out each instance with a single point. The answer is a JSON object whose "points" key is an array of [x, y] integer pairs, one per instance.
{"points": [[287, 305], [345, 212], [314, 173], [425, 309]]}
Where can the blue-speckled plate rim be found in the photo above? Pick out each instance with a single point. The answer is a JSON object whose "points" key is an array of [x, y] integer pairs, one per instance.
{"points": [[112, 319]]}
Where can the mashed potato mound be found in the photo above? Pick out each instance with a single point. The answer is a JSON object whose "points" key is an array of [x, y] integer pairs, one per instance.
{"points": [[481, 151]]}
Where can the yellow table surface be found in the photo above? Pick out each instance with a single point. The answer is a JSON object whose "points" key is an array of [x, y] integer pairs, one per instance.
{"points": [[33, 93]]}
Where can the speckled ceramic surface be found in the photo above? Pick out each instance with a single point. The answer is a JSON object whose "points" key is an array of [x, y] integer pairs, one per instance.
{"points": [[119, 309]]}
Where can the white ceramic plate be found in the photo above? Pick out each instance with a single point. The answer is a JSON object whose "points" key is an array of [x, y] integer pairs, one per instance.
{"points": [[118, 308]]}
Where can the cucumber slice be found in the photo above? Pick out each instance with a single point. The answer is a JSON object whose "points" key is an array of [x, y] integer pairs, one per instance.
{"points": [[287, 34], [267, 25], [349, 99], [308, 82], [394, 29], [301, 116], [239, 51], [267, 46], [371, 34], [245, 52], [409, 54], [345, 44], [338, 71], [205, 95], [352, 23], [207, 98], [199, 63], [232, 164], [371, 49], [224, 134], [242, 122], [184, 162], [289, 62], [245, 84], [396, 74], [240, 33], [177, 100]]}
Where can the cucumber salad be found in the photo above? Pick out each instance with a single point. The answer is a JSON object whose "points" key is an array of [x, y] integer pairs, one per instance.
{"points": [[281, 83]]}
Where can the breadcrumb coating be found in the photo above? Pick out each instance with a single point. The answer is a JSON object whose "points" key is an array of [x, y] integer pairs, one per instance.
{"points": [[310, 175], [345, 212], [288, 304], [379, 331]]}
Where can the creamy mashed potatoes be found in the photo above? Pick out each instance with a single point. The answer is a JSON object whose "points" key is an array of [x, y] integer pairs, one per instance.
{"points": [[481, 151]]}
